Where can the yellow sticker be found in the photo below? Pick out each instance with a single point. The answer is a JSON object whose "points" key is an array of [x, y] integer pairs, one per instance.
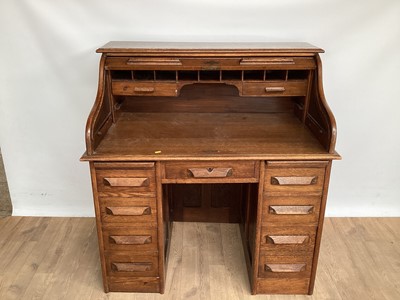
{"points": [[157, 152]]}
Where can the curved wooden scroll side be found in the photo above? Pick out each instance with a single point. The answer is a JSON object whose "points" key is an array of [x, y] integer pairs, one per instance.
{"points": [[96, 109], [320, 118]]}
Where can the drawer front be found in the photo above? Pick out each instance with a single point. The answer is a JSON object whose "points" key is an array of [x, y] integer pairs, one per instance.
{"points": [[134, 284], [275, 88], [283, 285], [232, 171], [284, 266], [127, 264], [142, 63], [131, 88], [117, 179], [286, 210], [294, 178], [136, 239], [128, 210], [288, 240]]}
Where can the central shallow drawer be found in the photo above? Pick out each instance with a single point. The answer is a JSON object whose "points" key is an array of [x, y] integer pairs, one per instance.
{"points": [[212, 171]]}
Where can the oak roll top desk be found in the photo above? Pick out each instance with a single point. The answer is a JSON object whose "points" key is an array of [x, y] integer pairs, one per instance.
{"points": [[210, 132]]}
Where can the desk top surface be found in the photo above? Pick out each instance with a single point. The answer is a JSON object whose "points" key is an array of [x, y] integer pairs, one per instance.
{"points": [[267, 47], [208, 136]]}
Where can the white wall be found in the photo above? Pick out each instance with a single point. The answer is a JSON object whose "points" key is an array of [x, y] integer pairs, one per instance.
{"points": [[49, 69]]}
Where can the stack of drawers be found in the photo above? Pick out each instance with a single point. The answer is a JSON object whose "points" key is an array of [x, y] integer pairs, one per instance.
{"points": [[291, 209], [126, 210]]}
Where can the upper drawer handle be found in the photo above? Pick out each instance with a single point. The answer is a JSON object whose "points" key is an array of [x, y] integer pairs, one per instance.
{"points": [[211, 172], [154, 61], [144, 89], [287, 239], [274, 89], [266, 61], [130, 239], [285, 268], [127, 181], [291, 210], [131, 267], [291, 180], [129, 211]]}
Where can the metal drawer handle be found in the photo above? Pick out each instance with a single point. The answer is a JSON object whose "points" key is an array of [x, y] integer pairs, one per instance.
{"points": [[291, 210], [287, 239], [211, 172], [273, 89], [285, 268], [292, 180], [129, 211], [131, 267], [127, 181], [130, 239]]}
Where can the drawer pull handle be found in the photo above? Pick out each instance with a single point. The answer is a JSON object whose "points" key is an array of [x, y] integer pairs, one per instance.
{"points": [[211, 172], [154, 61], [285, 268], [129, 211], [267, 61], [130, 239], [131, 267], [291, 210], [135, 182], [274, 89], [291, 180], [144, 89], [287, 239]]}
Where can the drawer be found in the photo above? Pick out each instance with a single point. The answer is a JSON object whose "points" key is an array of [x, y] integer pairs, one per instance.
{"points": [[128, 210], [282, 285], [132, 88], [120, 179], [128, 264], [137, 239], [288, 240], [142, 63], [278, 63], [284, 266], [287, 210], [212, 171], [134, 284], [275, 88], [292, 178]]}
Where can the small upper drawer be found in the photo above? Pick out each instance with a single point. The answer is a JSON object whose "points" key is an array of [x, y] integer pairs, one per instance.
{"points": [[212, 171], [119, 178], [131, 88], [275, 88], [291, 178]]}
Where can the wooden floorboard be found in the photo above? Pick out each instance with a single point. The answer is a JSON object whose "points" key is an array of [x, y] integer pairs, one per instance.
{"points": [[57, 258]]}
